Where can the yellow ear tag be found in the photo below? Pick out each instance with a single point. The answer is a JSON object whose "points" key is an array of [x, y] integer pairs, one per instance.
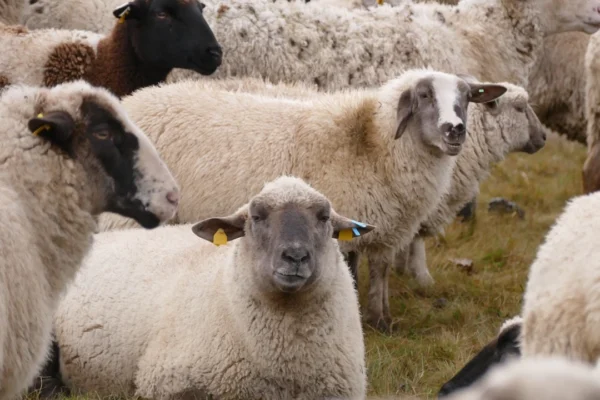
{"points": [[380, 2], [122, 17], [42, 128], [345, 234], [220, 237]]}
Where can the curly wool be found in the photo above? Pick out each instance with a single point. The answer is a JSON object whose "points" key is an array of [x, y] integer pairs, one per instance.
{"points": [[561, 306]]}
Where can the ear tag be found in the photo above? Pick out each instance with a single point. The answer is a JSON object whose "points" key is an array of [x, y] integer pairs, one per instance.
{"points": [[345, 234], [220, 237], [362, 225], [42, 128], [356, 232], [380, 2], [481, 90], [124, 15]]}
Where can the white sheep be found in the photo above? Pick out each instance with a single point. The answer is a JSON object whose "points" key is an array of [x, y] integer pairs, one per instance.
{"points": [[591, 167], [273, 315], [146, 43], [385, 155], [68, 154], [561, 301], [547, 378], [493, 40], [495, 129]]}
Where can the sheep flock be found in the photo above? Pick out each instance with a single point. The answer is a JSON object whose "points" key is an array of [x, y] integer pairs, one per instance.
{"points": [[299, 199]]}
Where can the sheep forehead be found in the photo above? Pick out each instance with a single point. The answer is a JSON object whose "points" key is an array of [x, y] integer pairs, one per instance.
{"points": [[289, 190], [447, 91]]}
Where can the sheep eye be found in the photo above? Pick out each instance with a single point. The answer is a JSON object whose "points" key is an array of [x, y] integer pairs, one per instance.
{"points": [[520, 109], [102, 135], [423, 95], [324, 217], [256, 218], [162, 14]]}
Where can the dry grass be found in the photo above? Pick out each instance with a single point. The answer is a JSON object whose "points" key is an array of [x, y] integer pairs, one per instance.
{"points": [[434, 342]]}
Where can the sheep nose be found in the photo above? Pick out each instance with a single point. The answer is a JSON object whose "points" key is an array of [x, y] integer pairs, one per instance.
{"points": [[295, 255], [173, 197], [215, 52]]}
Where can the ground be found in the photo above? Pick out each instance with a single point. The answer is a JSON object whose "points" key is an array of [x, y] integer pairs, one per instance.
{"points": [[442, 327]]}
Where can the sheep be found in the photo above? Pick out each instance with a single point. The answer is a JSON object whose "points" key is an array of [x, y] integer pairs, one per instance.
{"points": [[68, 154], [548, 378], [284, 316], [497, 128], [505, 346], [591, 166], [153, 38], [393, 148], [559, 305], [304, 39]]}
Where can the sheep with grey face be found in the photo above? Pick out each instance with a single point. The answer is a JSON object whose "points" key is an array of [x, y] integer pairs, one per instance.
{"points": [[271, 315], [149, 40], [68, 154], [496, 129], [392, 148]]}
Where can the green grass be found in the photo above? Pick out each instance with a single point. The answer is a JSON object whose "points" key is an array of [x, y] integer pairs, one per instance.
{"points": [[436, 338]]}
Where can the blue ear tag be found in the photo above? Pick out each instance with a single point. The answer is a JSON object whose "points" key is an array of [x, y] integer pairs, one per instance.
{"points": [[359, 224], [356, 232]]}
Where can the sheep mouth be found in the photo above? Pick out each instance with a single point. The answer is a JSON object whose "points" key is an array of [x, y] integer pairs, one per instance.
{"points": [[453, 148], [203, 69], [532, 148], [135, 210], [289, 283]]}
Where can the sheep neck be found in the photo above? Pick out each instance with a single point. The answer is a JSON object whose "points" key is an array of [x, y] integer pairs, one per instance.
{"points": [[117, 66]]}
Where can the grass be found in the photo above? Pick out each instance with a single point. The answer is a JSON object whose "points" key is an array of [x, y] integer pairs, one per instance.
{"points": [[442, 327]]}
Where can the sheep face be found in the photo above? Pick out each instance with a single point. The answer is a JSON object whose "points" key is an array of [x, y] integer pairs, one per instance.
{"points": [[288, 228], [570, 15], [124, 172], [502, 348], [519, 124], [437, 105], [172, 34]]}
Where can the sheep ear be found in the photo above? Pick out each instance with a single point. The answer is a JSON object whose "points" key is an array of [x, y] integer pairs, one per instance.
{"points": [[127, 11], [56, 126], [220, 230], [484, 93], [347, 229], [405, 111]]}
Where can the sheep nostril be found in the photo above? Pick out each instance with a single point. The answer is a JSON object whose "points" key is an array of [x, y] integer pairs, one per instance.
{"points": [[295, 256], [173, 198]]}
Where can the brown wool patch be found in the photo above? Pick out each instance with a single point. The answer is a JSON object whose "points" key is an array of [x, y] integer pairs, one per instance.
{"points": [[222, 10], [14, 29], [68, 62], [4, 82]]}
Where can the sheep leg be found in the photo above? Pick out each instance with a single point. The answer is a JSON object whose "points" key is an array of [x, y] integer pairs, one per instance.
{"points": [[378, 274], [351, 259], [417, 262], [401, 261], [468, 211]]}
